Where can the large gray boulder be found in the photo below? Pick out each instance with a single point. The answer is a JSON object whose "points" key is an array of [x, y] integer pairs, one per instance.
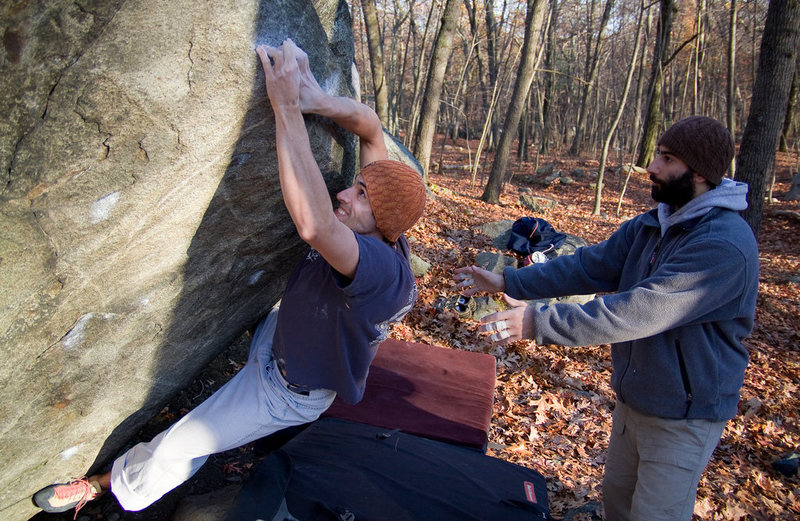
{"points": [[143, 227]]}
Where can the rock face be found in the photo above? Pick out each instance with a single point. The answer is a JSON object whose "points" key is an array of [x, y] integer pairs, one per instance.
{"points": [[142, 222]]}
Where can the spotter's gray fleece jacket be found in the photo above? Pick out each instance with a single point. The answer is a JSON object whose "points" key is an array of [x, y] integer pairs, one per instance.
{"points": [[680, 295]]}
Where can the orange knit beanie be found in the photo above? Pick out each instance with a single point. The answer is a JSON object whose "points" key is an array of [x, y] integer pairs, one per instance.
{"points": [[396, 195]]}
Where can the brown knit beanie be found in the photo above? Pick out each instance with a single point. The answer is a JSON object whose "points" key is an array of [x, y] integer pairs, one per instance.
{"points": [[703, 143], [396, 195]]}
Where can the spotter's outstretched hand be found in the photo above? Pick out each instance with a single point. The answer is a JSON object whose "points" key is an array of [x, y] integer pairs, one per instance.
{"points": [[510, 325], [474, 279]]}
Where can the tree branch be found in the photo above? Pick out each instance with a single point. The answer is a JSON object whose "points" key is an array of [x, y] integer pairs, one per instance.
{"points": [[784, 213], [684, 44]]}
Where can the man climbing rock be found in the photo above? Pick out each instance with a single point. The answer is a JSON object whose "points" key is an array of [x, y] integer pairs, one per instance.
{"points": [[336, 309]]}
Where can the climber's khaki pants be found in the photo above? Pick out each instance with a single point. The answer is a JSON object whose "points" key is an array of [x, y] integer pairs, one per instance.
{"points": [[254, 404]]}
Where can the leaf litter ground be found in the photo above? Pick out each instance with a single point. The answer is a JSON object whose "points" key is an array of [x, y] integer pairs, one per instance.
{"points": [[552, 409], [553, 403]]}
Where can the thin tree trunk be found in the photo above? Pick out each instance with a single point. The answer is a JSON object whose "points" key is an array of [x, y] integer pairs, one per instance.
{"points": [[690, 67], [730, 106], [533, 27], [491, 40], [652, 120], [794, 94], [618, 116], [492, 53], [376, 59], [486, 132], [395, 78], [417, 101], [550, 81], [698, 57], [473, 24], [522, 130], [429, 113], [459, 87], [776, 66], [637, 110], [580, 130], [397, 106], [526, 125]]}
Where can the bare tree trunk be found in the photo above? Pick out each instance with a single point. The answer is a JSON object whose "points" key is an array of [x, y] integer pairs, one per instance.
{"points": [[419, 70], [776, 65], [618, 116], [492, 52], [396, 108], [442, 49], [637, 109], [550, 82], [652, 119], [485, 132], [492, 39], [699, 54], [522, 130], [794, 95], [692, 64], [459, 101], [754, 42], [395, 77], [453, 124], [591, 78], [376, 59], [731, 100], [533, 27], [473, 24], [526, 124]]}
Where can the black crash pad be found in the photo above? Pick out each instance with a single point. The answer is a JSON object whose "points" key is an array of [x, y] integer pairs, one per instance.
{"points": [[341, 470]]}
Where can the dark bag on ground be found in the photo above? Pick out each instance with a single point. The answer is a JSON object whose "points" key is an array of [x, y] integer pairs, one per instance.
{"points": [[347, 471], [530, 234]]}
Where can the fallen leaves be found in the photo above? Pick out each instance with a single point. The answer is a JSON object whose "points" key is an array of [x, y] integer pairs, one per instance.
{"points": [[553, 404]]}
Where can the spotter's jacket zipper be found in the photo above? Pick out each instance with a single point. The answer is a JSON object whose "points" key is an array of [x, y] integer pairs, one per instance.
{"points": [[687, 385]]}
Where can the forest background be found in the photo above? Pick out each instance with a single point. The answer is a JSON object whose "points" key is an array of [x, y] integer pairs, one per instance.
{"points": [[504, 100], [492, 96]]}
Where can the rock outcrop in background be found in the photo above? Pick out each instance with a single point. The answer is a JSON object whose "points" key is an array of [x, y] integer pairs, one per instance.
{"points": [[141, 222]]}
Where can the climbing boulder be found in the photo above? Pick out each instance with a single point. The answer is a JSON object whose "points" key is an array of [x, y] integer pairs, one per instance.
{"points": [[143, 227]]}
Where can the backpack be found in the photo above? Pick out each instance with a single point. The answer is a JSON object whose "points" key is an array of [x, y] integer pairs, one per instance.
{"points": [[531, 234]]}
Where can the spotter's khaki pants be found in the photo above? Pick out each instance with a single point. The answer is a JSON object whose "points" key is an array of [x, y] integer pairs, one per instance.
{"points": [[654, 465]]}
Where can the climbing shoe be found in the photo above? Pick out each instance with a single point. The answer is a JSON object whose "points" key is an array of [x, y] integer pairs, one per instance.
{"points": [[61, 497]]}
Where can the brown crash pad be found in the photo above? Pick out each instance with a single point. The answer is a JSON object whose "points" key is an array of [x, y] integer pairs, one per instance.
{"points": [[430, 391]]}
